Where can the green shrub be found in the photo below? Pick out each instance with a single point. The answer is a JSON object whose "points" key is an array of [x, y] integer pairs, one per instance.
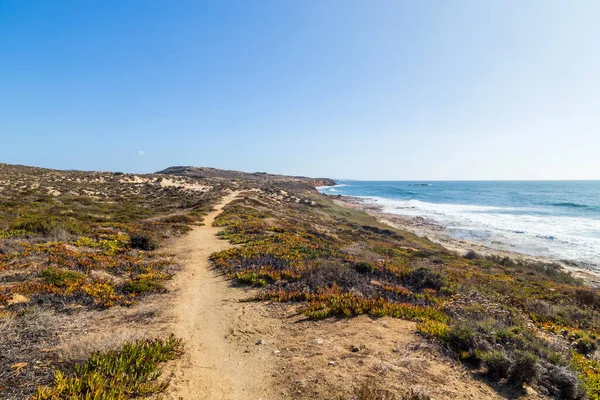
{"points": [[461, 337], [61, 277], [7, 234], [550, 270], [588, 297], [36, 224], [116, 375], [179, 229], [524, 369], [585, 345], [47, 225], [144, 241], [425, 278], [363, 267], [434, 329], [76, 227], [497, 364], [179, 219], [473, 255], [540, 311]]}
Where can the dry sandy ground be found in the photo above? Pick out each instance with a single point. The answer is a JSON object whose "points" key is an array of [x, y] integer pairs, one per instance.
{"points": [[318, 362], [216, 328]]}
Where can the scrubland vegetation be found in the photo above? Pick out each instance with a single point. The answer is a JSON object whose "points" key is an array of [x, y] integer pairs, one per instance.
{"points": [[73, 241], [116, 375], [514, 323]]}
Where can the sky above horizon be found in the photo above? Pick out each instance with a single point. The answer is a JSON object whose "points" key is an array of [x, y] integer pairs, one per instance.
{"points": [[381, 90]]}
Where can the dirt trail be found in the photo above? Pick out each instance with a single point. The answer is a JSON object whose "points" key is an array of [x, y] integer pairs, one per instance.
{"points": [[221, 359]]}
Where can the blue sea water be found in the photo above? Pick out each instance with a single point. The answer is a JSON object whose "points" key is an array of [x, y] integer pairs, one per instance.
{"points": [[555, 219]]}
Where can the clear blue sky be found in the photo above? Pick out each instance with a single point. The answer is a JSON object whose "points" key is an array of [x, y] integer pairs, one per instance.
{"points": [[494, 89]]}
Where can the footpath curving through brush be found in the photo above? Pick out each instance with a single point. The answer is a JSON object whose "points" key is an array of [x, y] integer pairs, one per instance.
{"points": [[216, 328]]}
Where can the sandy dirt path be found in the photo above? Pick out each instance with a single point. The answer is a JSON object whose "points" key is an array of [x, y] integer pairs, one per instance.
{"points": [[221, 360]]}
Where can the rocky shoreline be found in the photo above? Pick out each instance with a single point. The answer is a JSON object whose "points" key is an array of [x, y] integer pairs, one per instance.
{"points": [[437, 233]]}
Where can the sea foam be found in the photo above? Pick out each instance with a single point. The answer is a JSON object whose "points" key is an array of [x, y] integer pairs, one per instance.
{"points": [[511, 228], [559, 220]]}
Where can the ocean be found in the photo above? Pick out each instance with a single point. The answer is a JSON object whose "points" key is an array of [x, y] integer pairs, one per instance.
{"points": [[555, 219]]}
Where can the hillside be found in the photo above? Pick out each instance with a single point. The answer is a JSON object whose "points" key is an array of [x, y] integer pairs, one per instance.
{"points": [[263, 177]]}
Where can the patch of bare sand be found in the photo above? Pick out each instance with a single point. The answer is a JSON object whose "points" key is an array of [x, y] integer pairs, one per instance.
{"points": [[165, 182], [135, 179], [318, 361]]}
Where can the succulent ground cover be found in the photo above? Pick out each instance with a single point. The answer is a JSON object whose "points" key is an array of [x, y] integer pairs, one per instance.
{"points": [[515, 323], [78, 241], [133, 371]]}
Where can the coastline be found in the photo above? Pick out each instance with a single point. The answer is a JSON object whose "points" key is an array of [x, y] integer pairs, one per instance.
{"points": [[437, 233]]}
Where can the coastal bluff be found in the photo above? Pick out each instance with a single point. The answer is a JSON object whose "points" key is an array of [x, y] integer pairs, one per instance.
{"points": [[222, 174]]}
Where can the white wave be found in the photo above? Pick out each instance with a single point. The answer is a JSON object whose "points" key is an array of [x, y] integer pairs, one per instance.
{"points": [[560, 237], [326, 189]]}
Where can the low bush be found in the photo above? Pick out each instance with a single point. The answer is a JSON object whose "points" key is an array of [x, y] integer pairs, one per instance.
{"points": [[325, 273], [540, 311], [588, 297], [425, 278], [334, 302], [551, 270], [465, 339], [49, 225], [560, 382], [179, 219], [61, 277], [131, 372], [363, 267], [496, 363], [524, 368], [585, 345], [473, 255], [36, 224], [144, 240]]}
